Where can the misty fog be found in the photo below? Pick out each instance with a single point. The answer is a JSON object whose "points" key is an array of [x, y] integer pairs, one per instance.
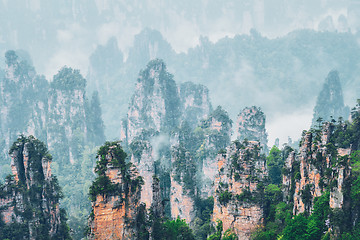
{"points": [[68, 32]]}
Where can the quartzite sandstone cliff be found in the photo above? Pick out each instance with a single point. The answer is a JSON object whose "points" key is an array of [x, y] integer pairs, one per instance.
{"points": [[240, 170], [250, 125], [318, 165], [115, 194], [30, 200]]}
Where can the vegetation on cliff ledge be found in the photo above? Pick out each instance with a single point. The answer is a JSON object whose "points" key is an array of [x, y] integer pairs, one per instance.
{"points": [[111, 155], [34, 197], [319, 220]]}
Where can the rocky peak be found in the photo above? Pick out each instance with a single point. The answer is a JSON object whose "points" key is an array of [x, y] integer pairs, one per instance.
{"points": [[155, 105], [166, 138], [68, 79], [149, 44], [33, 189], [216, 131], [183, 187], [115, 196], [29, 158], [250, 125], [106, 59], [220, 122], [67, 105], [57, 113], [319, 167], [236, 203], [330, 101], [23, 97]]}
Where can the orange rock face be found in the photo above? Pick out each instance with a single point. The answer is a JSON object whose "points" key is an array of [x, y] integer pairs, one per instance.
{"points": [[318, 168], [239, 171], [110, 218], [114, 214]]}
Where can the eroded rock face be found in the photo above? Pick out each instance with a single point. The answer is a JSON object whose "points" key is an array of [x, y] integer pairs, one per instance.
{"points": [[183, 185], [155, 105], [153, 111], [217, 129], [250, 125], [117, 208], [33, 189], [316, 166], [194, 164], [286, 177], [115, 215], [143, 158], [57, 113], [161, 118], [239, 171], [67, 106]]}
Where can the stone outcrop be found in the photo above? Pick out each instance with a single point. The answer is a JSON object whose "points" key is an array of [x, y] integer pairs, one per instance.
{"points": [[159, 106], [143, 159], [194, 164], [250, 125], [217, 135], [31, 198], [159, 115], [290, 167], [319, 164], [71, 117], [116, 205], [236, 201], [153, 111], [183, 189], [155, 105], [66, 107], [330, 102]]}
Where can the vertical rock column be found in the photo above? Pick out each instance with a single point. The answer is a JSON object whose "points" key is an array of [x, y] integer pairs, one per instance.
{"points": [[250, 125], [236, 201], [32, 198], [115, 196]]}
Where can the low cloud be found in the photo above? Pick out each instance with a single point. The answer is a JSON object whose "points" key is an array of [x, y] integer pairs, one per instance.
{"points": [[287, 125], [158, 143], [74, 58]]}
